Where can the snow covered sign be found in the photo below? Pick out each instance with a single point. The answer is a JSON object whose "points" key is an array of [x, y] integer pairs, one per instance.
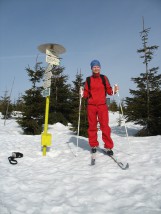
{"points": [[47, 84], [47, 75], [48, 68], [51, 58], [46, 92], [50, 52]]}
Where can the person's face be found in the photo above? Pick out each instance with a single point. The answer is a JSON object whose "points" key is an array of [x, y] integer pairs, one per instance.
{"points": [[96, 69]]}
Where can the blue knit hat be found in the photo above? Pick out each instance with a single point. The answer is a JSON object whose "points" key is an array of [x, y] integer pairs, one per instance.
{"points": [[95, 62]]}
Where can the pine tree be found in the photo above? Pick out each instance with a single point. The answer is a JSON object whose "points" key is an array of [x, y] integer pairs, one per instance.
{"points": [[6, 106], [144, 107], [60, 106], [113, 106], [75, 102], [34, 103], [19, 103]]}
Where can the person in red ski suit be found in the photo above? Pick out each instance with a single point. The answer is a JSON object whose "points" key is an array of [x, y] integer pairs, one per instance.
{"points": [[97, 109]]}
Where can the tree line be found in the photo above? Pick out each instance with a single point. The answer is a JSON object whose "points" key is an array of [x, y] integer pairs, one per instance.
{"points": [[143, 107]]}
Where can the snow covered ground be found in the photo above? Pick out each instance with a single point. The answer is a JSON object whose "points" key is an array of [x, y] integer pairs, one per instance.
{"points": [[61, 183]]}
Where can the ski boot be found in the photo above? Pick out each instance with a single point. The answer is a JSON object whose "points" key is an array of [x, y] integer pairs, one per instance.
{"points": [[108, 151]]}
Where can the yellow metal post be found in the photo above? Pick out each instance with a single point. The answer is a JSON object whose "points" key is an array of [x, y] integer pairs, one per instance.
{"points": [[46, 137], [46, 114], [52, 52]]}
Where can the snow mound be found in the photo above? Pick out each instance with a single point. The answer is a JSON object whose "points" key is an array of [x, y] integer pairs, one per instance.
{"points": [[59, 128], [10, 127]]}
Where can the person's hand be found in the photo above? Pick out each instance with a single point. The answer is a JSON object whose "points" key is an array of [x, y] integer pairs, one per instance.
{"points": [[81, 91], [116, 88]]}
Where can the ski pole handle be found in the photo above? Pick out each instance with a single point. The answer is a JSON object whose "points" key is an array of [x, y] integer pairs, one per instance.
{"points": [[115, 89], [81, 91]]}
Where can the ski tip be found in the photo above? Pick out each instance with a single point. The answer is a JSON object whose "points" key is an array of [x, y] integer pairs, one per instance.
{"points": [[123, 166], [126, 167]]}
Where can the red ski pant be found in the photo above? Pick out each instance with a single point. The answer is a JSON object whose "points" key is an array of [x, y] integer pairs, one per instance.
{"points": [[95, 114]]}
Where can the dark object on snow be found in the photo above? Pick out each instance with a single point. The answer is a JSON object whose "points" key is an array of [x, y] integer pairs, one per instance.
{"points": [[14, 155], [17, 155]]}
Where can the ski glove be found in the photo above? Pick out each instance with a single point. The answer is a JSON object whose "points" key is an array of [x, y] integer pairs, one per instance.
{"points": [[115, 89]]}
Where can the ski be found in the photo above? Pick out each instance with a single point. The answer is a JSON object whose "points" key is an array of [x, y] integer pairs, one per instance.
{"points": [[120, 164]]}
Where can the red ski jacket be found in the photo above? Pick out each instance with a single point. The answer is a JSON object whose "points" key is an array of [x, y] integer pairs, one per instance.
{"points": [[96, 94]]}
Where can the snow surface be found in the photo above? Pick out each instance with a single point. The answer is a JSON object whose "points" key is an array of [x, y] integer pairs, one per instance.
{"points": [[63, 183]]}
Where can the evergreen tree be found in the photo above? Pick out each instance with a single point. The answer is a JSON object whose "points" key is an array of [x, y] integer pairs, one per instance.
{"points": [[113, 106], [6, 105], [19, 104], [1, 106], [34, 103], [60, 105], [75, 102], [144, 107]]}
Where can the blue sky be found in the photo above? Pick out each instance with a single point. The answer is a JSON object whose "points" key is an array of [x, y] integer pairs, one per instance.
{"points": [[107, 30]]}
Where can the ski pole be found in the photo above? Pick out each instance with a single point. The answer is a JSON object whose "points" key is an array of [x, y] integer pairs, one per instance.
{"points": [[122, 114], [80, 104]]}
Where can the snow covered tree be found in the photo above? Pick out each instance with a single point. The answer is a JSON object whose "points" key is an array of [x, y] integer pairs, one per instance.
{"points": [[75, 101], [60, 106], [34, 103], [144, 107]]}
